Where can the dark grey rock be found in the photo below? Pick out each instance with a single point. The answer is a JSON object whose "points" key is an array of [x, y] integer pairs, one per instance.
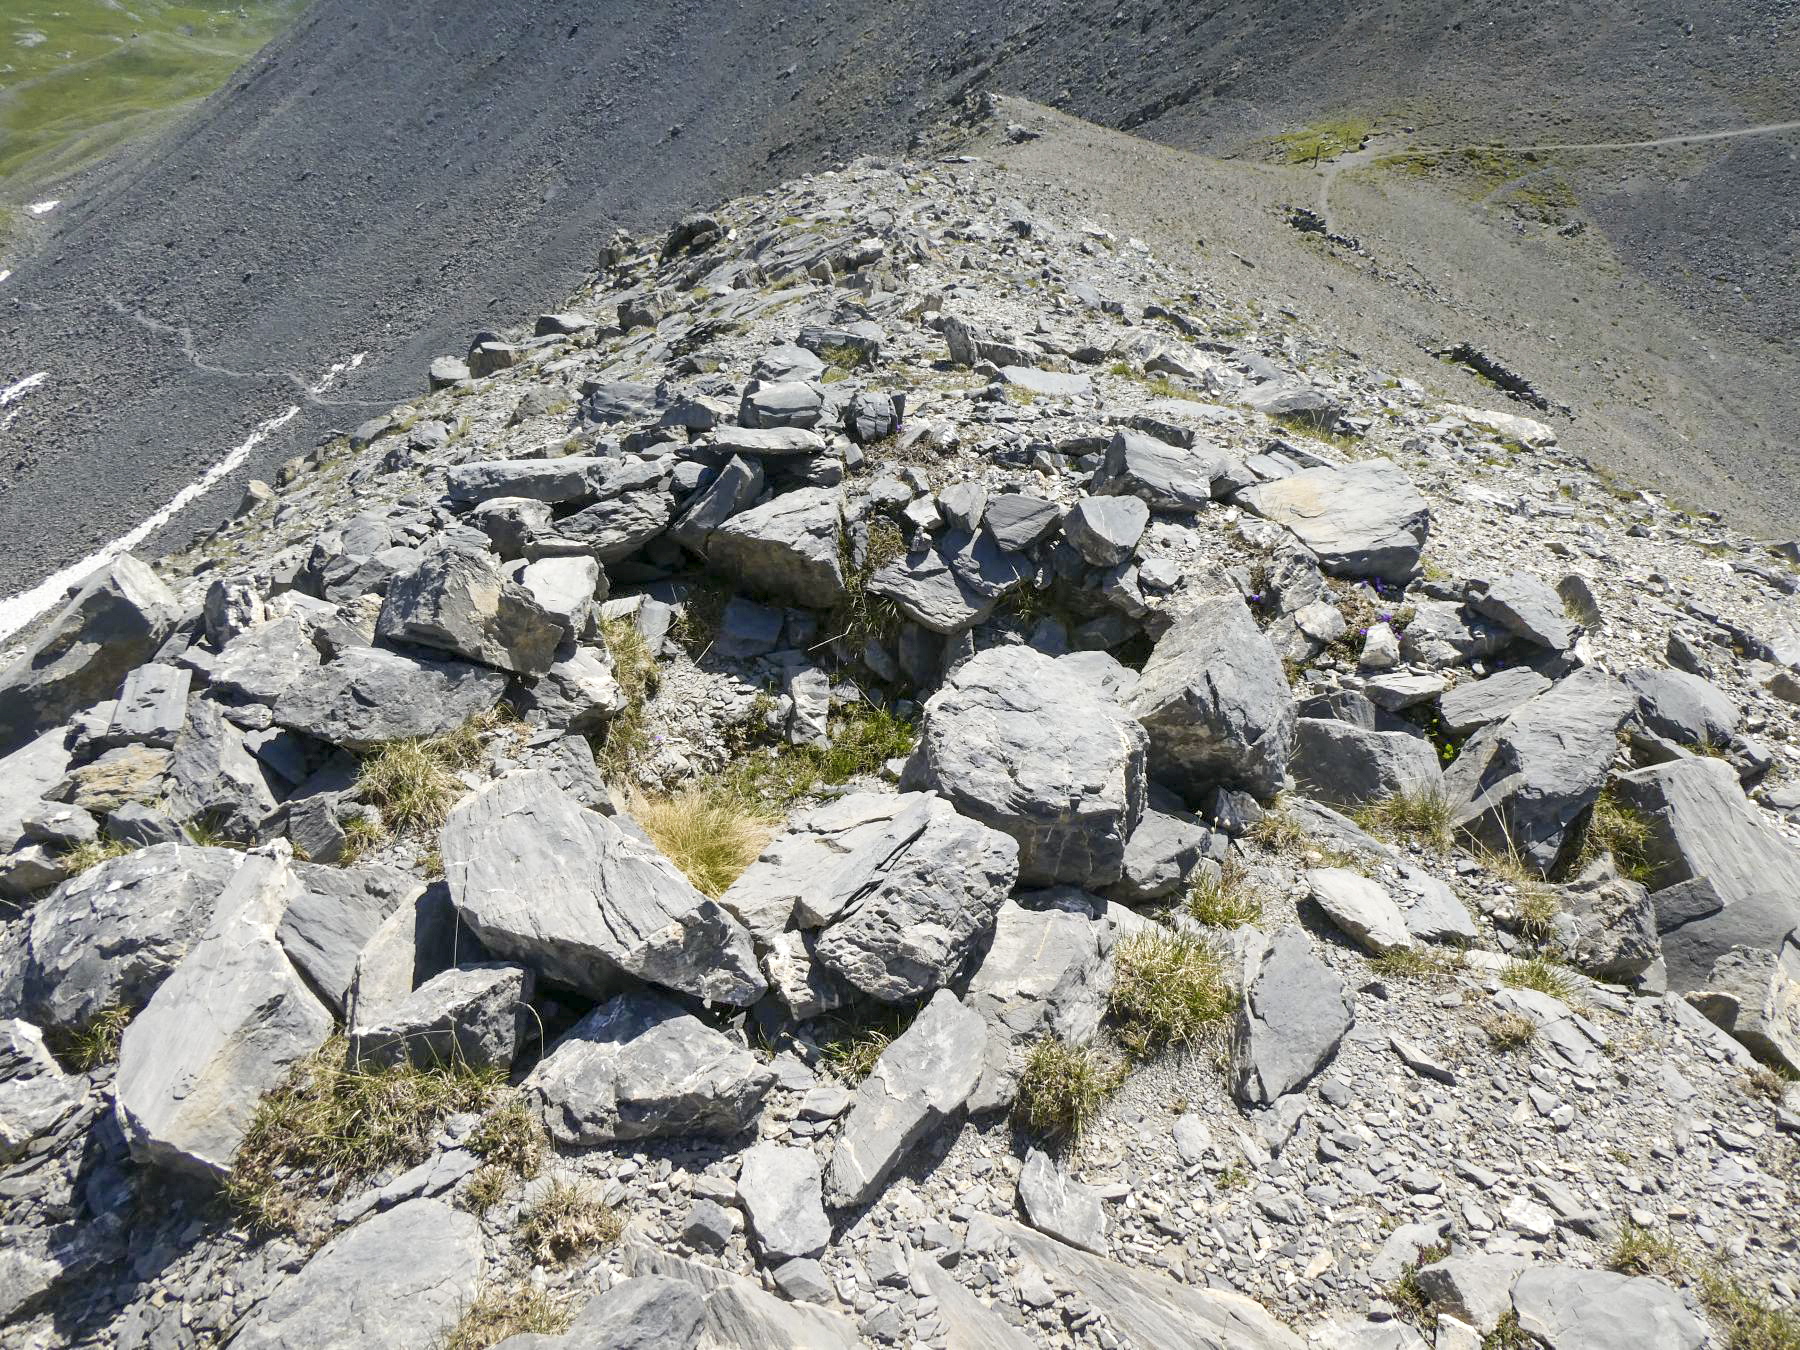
{"points": [[461, 602], [35, 1094], [780, 1188], [114, 622], [1165, 477], [954, 583], [1017, 520], [556, 482], [479, 1015], [152, 706], [1685, 708], [370, 695], [1474, 704], [1106, 530], [788, 547], [331, 914], [1342, 764], [1524, 606]]}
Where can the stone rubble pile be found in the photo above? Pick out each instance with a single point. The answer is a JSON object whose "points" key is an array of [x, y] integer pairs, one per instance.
{"points": [[1174, 604]]}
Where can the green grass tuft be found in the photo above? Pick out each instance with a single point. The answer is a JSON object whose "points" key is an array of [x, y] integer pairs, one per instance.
{"points": [[627, 738], [1422, 815], [94, 1045], [1542, 974], [1225, 899], [339, 1124], [1615, 826], [1063, 1088], [1170, 989]]}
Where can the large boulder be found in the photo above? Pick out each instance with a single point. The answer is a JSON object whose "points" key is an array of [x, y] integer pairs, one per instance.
{"points": [[1293, 1016], [1363, 520], [1105, 530], [1521, 785], [458, 600], [789, 547], [1682, 707], [1474, 704], [370, 695], [555, 482], [1343, 764], [642, 1067], [634, 502], [400, 1280], [1216, 703], [332, 915], [953, 583], [544, 881], [116, 620], [1165, 477], [1024, 744], [922, 1079], [1722, 876], [226, 1027], [1525, 607], [1146, 1309], [213, 778], [1569, 1308], [25, 776], [108, 937]]}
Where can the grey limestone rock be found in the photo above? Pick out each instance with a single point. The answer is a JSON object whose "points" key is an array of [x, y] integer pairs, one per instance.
{"points": [[370, 695], [1524, 606], [1360, 907], [1106, 530], [1344, 765], [787, 547], [544, 881], [953, 583], [1056, 1204], [1165, 477], [641, 1067], [479, 1015], [779, 1186], [1020, 742], [35, 1094], [460, 601], [1293, 1015], [1363, 520]]}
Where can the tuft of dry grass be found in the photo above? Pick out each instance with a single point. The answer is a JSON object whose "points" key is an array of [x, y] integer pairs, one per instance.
{"points": [[634, 667], [340, 1124], [1542, 974], [1170, 989], [855, 1047], [95, 1045], [1509, 1031], [91, 854], [1417, 962], [710, 834], [1615, 826], [500, 1312], [1743, 1321], [568, 1220], [1422, 815], [414, 782], [1063, 1087], [1227, 898]]}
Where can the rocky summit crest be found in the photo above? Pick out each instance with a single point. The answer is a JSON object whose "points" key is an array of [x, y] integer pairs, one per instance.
{"points": [[904, 770]]}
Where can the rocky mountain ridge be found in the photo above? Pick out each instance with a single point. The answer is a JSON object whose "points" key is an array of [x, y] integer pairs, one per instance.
{"points": [[899, 771]]}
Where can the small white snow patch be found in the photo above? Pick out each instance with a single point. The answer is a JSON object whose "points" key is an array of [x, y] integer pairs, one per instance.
{"points": [[44, 208], [5, 272], [14, 392]]}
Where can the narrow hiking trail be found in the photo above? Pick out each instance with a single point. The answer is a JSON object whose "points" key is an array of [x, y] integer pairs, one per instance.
{"points": [[1366, 153]]}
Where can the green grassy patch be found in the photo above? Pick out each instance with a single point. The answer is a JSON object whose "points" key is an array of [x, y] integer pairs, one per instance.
{"points": [[1063, 1088], [80, 77], [1323, 140]]}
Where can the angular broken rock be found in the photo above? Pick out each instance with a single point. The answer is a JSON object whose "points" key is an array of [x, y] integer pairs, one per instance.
{"points": [[1524, 606], [544, 881], [115, 622], [1722, 876], [1023, 744], [1754, 994], [1165, 477], [1569, 1308], [634, 504], [1106, 530], [1608, 925], [152, 706], [1685, 708], [370, 695], [108, 937], [912, 923], [1360, 907], [643, 1067], [226, 1027], [922, 1079], [1363, 520], [460, 601], [1041, 973], [1057, 1204], [1474, 704], [1293, 1015], [331, 916], [779, 1187], [1521, 785], [35, 1094], [556, 482], [1216, 704], [1165, 851], [788, 547], [477, 1015], [1343, 764], [954, 584], [401, 1279], [213, 778]]}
